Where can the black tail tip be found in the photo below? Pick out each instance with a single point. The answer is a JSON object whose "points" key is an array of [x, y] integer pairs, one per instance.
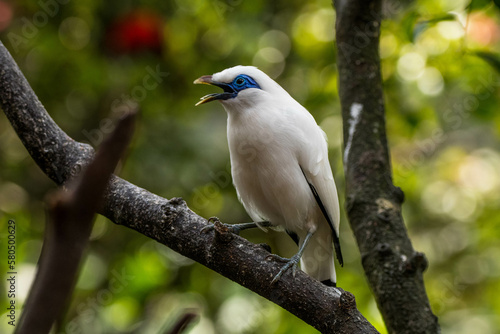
{"points": [[340, 259]]}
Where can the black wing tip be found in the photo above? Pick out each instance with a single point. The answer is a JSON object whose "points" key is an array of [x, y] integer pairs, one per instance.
{"points": [[338, 251], [341, 260], [336, 241]]}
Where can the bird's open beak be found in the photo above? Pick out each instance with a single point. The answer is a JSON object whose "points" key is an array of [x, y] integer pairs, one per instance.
{"points": [[229, 92]]}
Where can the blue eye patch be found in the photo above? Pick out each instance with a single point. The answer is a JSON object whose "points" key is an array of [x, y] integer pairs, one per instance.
{"points": [[242, 82]]}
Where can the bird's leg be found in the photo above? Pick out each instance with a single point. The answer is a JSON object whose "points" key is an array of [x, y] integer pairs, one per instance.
{"points": [[293, 261], [235, 228]]}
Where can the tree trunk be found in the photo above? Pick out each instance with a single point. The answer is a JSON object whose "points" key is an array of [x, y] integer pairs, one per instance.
{"points": [[393, 268]]}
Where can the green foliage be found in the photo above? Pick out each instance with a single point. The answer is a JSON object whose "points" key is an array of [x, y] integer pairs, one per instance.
{"points": [[421, 26], [479, 4], [443, 128], [491, 58]]}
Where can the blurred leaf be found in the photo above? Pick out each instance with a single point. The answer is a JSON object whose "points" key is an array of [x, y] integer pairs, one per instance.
{"points": [[479, 4], [491, 58], [421, 26], [409, 23], [497, 3]]}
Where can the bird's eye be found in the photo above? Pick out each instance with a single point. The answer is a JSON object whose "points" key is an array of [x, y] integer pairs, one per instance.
{"points": [[240, 81]]}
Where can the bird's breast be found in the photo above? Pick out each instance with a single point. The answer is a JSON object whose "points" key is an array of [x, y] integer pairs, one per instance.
{"points": [[266, 172]]}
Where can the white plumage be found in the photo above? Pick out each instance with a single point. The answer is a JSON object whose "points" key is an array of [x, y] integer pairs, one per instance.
{"points": [[279, 163]]}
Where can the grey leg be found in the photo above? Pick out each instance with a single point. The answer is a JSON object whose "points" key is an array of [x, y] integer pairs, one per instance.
{"points": [[293, 261], [235, 228]]}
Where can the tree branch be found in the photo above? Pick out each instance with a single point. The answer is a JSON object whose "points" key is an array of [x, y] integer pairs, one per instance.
{"points": [[393, 268], [171, 222], [69, 224]]}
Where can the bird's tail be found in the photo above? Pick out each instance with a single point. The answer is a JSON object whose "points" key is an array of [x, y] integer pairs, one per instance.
{"points": [[318, 258]]}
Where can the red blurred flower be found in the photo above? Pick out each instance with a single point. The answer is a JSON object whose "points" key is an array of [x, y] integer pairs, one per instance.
{"points": [[136, 31], [6, 14]]}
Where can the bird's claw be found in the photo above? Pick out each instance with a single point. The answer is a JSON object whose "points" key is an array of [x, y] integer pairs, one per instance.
{"points": [[289, 263], [214, 220], [277, 258], [207, 228], [210, 225]]}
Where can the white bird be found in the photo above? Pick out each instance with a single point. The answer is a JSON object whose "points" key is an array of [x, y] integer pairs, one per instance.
{"points": [[280, 168]]}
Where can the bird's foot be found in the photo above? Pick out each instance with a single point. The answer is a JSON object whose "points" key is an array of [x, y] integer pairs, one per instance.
{"points": [[214, 220], [289, 263]]}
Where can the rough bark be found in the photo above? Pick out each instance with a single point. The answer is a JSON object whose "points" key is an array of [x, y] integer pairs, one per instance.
{"points": [[393, 268], [171, 222], [69, 225]]}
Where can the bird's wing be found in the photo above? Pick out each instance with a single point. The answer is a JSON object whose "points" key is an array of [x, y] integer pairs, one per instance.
{"points": [[313, 160]]}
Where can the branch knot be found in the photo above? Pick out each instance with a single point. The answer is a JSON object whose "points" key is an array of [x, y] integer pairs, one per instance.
{"points": [[221, 231], [385, 209], [399, 194], [347, 301], [417, 261], [384, 249], [171, 210]]}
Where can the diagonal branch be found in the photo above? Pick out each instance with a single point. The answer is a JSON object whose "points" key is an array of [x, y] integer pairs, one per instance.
{"points": [[171, 222], [69, 225], [393, 268]]}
